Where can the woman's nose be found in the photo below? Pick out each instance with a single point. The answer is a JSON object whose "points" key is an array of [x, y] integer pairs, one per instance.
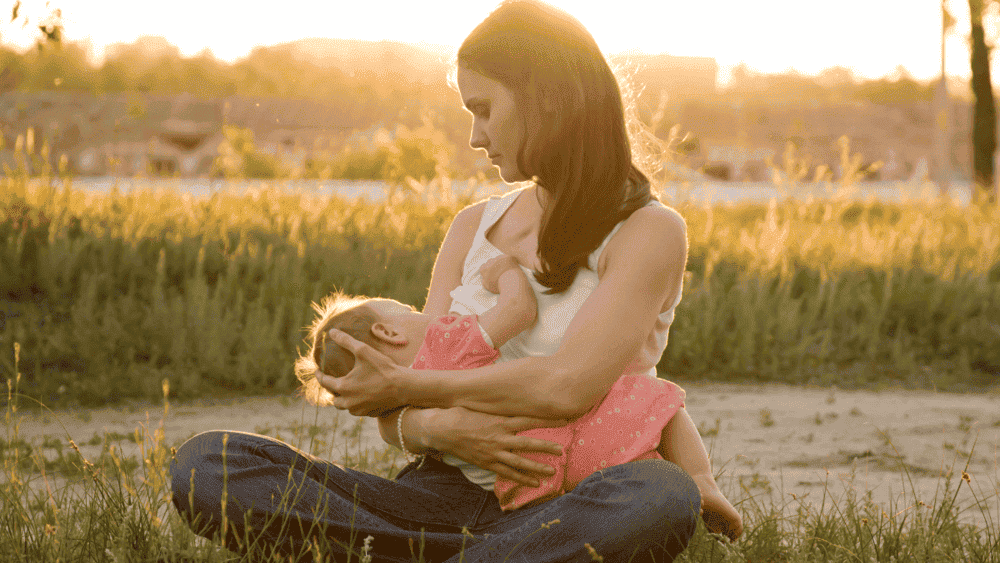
{"points": [[478, 139]]}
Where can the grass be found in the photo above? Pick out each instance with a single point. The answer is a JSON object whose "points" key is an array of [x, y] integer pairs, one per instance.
{"points": [[113, 295], [766, 419], [60, 504], [116, 507], [110, 293]]}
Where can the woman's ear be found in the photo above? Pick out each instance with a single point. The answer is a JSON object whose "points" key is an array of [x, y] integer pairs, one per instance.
{"points": [[389, 334]]}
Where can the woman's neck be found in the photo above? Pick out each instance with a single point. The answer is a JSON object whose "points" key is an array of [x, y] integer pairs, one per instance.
{"points": [[542, 197], [530, 214]]}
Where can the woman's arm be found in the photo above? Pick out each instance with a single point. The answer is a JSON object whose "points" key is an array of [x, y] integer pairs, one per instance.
{"points": [[445, 276], [644, 268], [487, 441], [390, 432], [447, 272]]}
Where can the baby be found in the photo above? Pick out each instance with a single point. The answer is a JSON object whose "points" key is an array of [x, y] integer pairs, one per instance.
{"points": [[635, 420]]}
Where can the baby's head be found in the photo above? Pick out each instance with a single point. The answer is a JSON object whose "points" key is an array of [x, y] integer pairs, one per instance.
{"points": [[391, 327]]}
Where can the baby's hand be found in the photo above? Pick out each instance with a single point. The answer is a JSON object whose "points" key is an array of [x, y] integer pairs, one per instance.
{"points": [[494, 268]]}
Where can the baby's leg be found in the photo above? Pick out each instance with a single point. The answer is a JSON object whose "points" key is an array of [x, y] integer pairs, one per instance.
{"points": [[681, 444]]}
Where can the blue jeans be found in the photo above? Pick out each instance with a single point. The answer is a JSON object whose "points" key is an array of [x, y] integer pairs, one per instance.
{"points": [[278, 499]]}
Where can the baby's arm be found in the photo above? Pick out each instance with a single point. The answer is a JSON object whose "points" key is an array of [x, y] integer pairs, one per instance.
{"points": [[516, 307]]}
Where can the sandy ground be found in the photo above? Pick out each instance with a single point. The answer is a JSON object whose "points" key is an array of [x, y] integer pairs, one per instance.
{"points": [[800, 443], [771, 444]]}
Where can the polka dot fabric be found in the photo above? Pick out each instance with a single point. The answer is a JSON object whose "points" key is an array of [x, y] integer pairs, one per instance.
{"points": [[454, 342], [626, 426]]}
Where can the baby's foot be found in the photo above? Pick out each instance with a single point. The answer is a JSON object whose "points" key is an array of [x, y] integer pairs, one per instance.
{"points": [[718, 513]]}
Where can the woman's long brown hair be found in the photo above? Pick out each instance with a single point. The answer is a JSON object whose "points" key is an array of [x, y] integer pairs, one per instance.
{"points": [[576, 144]]}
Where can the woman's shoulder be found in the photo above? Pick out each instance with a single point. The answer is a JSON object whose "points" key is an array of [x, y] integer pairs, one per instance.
{"points": [[654, 221], [469, 217]]}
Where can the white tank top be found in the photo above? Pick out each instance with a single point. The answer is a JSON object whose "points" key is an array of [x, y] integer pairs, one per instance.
{"points": [[554, 312]]}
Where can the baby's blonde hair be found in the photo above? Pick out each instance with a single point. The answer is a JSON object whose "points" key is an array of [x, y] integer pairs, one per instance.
{"points": [[343, 312]]}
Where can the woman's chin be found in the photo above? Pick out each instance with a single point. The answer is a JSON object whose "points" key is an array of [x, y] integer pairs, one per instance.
{"points": [[511, 177]]}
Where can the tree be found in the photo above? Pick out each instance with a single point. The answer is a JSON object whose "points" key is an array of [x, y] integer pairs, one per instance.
{"points": [[836, 76], [984, 119], [50, 24], [50, 28]]}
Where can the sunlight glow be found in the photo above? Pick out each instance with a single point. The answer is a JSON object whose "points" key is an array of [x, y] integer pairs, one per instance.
{"points": [[871, 38]]}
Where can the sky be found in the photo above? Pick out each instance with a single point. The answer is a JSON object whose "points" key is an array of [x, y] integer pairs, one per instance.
{"points": [[872, 37]]}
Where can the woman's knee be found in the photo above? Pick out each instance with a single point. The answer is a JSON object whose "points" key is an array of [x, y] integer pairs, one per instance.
{"points": [[193, 462], [678, 505], [658, 501], [675, 490], [647, 483]]}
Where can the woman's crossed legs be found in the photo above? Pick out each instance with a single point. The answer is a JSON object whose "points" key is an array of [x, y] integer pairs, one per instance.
{"points": [[273, 498]]}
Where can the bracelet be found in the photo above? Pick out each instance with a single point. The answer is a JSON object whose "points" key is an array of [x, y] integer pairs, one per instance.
{"points": [[410, 458]]}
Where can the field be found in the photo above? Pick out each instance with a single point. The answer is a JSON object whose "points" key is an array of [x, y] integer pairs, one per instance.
{"points": [[837, 319], [765, 439], [819, 474]]}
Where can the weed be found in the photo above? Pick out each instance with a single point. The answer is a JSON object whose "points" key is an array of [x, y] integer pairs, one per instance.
{"points": [[766, 420], [51, 442], [707, 432], [965, 423]]}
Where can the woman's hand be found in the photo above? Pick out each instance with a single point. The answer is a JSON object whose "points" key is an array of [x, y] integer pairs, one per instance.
{"points": [[493, 268], [371, 388], [489, 441]]}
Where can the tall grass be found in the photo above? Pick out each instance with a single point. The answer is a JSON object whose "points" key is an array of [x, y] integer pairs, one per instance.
{"points": [[108, 294], [839, 291]]}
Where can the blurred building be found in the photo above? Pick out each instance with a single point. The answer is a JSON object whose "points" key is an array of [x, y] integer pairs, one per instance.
{"points": [[739, 138], [131, 134], [743, 136]]}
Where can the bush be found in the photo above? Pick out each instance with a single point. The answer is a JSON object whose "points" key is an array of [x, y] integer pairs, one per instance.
{"points": [[239, 157], [423, 154], [121, 291], [25, 229]]}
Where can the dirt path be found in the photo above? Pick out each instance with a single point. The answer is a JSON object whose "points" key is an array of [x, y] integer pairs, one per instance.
{"points": [[801, 441], [778, 439]]}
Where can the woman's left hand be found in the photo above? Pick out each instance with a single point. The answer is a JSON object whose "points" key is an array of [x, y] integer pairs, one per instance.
{"points": [[370, 388]]}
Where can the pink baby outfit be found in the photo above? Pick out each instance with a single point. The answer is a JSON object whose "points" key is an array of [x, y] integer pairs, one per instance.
{"points": [[454, 342], [625, 426]]}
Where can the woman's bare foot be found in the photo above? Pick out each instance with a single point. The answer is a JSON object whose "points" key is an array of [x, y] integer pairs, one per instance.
{"points": [[718, 513]]}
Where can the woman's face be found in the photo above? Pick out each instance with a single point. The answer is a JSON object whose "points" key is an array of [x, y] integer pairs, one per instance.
{"points": [[496, 125]]}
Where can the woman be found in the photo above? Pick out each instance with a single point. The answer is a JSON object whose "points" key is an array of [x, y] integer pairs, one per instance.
{"points": [[606, 262]]}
